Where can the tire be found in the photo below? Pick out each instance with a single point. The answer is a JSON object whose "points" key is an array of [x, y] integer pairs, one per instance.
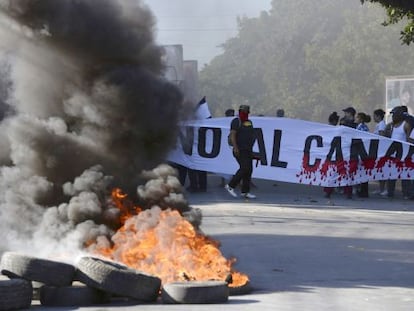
{"points": [[240, 290], [195, 292], [49, 272], [72, 296], [116, 279], [15, 294]]}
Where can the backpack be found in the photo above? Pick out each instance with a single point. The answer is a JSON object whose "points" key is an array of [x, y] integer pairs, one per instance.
{"points": [[228, 136]]}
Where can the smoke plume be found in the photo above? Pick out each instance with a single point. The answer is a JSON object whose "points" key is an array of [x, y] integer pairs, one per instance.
{"points": [[85, 109]]}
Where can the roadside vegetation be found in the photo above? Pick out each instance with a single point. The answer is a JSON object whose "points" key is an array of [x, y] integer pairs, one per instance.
{"points": [[309, 60]]}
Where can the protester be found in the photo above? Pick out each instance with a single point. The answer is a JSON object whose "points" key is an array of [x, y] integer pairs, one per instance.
{"points": [[333, 119], [229, 112], [280, 113], [181, 171], [379, 115], [408, 117], [410, 120], [398, 129], [361, 120], [348, 120], [349, 117], [242, 136], [198, 179]]}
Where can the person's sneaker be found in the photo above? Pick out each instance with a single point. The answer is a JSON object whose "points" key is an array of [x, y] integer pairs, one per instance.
{"points": [[231, 191], [384, 193], [249, 195]]}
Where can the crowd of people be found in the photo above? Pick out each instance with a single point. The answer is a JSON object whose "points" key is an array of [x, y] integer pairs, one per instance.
{"points": [[242, 139], [400, 128]]}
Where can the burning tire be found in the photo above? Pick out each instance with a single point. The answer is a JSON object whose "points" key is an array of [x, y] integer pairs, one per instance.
{"points": [[240, 290], [49, 272], [116, 279], [15, 294], [71, 296], [195, 292]]}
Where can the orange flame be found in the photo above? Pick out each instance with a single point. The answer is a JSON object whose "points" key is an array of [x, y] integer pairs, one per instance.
{"points": [[165, 244], [124, 205]]}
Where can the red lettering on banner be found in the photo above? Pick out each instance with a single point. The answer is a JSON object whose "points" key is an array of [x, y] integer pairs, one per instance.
{"points": [[340, 173]]}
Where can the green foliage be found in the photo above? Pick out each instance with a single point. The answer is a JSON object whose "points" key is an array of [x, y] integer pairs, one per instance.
{"points": [[309, 60], [397, 11]]}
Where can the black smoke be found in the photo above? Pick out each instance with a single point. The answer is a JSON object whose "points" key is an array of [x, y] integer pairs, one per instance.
{"points": [[90, 111], [107, 91]]}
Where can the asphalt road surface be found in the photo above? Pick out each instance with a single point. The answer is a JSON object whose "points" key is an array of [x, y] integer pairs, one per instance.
{"points": [[304, 252]]}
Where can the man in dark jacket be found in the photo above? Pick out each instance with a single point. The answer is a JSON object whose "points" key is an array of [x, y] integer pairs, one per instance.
{"points": [[348, 120], [242, 136]]}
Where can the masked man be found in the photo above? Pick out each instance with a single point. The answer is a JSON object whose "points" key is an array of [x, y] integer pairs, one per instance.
{"points": [[242, 137]]}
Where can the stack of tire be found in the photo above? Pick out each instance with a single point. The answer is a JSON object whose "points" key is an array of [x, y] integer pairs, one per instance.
{"points": [[93, 281]]}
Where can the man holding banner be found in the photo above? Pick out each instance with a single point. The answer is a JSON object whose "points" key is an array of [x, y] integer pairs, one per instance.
{"points": [[242, 137], [400, 130]]}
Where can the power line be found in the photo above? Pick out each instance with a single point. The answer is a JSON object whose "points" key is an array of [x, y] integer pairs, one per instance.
{"points": [[197, 29], [200, 16]]}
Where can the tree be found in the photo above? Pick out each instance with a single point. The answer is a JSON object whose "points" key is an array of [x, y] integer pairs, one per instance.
{"points": [[308, 60], [398, 10]]}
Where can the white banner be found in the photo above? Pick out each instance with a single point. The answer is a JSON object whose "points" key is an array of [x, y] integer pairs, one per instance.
{"points": [[297, 151]]}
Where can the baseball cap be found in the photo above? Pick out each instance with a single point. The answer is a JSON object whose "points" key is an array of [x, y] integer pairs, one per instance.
{"points": [[398, 110], [244, 108]]}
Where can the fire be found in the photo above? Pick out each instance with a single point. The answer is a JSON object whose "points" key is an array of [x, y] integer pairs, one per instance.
{"points": [[165, 244], [124, 205]]}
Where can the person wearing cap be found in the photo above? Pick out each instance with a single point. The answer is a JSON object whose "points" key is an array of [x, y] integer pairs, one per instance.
{"points": [[349, 118], [242, 136], [399, 129]]}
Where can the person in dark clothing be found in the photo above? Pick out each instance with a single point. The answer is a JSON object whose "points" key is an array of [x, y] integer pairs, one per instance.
{"points": [[242, 136], [229, 112], [408, 117], [181, 170], [280, 113], [198, 179], [348, 120], [333, 119]]}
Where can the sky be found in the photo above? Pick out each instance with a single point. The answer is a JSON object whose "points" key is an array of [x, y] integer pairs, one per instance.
{"points": [[201, 26]]}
